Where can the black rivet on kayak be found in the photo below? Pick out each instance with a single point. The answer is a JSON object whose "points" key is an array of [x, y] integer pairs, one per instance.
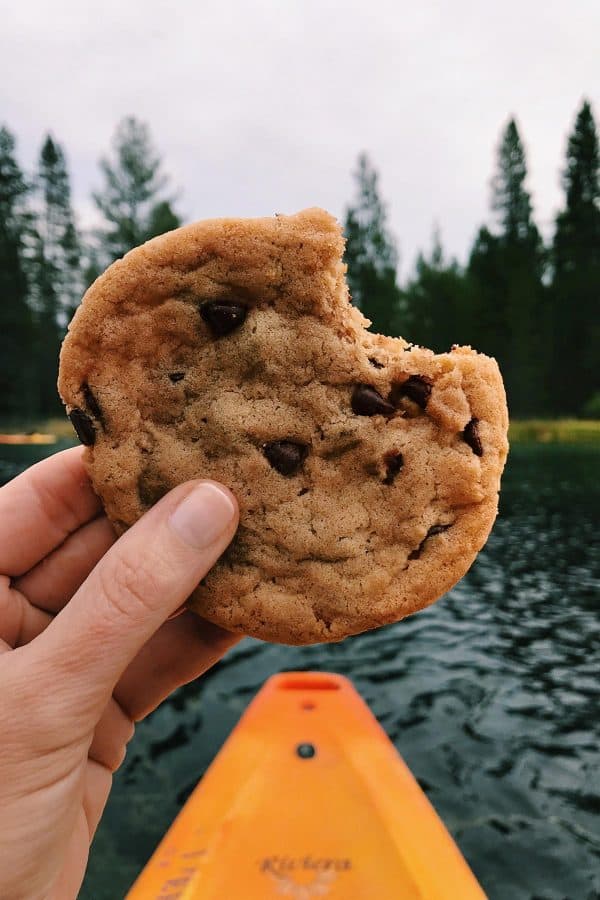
{"points": [[305, 751]]}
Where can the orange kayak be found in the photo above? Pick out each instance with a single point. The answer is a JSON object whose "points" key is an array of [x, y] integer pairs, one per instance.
{"points": [[33, 437], [308, 798]]}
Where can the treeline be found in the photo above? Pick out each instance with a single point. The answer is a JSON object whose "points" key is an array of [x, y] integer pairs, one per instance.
{"points": [[46, 262], [535, 306], [532, 305]]}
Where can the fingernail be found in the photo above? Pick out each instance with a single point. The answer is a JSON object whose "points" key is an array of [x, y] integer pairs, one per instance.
{"points": [[203, 516]]}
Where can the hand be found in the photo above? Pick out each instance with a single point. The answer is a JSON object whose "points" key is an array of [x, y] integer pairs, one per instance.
{"points": [[86, 651]]}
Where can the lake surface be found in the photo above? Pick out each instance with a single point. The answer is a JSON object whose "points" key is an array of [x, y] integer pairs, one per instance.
{"points": [[492, 697]]}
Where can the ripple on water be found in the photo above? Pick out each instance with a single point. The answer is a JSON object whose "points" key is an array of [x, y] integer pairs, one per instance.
{"points": [[491, 695]]}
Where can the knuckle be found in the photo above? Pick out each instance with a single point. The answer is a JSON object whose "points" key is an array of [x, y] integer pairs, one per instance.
{"points": [[59, 507], [11, 612], [113, 733], [129, 589], [120, 750], [116, 759]]}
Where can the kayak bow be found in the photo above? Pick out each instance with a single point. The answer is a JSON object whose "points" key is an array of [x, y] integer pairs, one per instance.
{"points": [[307, 798]]}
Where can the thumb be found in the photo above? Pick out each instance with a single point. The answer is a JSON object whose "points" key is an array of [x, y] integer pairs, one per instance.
{"points": [[150, 571]]}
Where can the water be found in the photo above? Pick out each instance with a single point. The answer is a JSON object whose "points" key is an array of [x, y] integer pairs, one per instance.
{"points": [[491, 696]]}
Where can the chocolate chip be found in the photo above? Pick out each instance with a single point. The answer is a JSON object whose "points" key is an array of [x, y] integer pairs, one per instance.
{"points": [[366, 401], [285, 456], [435, 529], [471, 437], [375, 362], [151, 488], [83, 425], [176, 376], [223, 316], [393, 463], [91, 403], [416, 388]]}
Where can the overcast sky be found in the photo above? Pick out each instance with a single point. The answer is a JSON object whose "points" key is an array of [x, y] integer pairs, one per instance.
{"points": [[261, 107]]}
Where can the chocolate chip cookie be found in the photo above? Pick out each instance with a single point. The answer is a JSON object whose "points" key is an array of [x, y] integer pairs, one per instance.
{"points": [[367, 469]]}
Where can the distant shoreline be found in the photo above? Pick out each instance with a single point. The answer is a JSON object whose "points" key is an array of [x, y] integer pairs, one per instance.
{"points": [[522, 431], [554, 431]]}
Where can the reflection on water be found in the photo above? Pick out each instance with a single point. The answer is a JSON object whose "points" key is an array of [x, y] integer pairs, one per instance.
{"points": [[14, 457], [491, 696]]}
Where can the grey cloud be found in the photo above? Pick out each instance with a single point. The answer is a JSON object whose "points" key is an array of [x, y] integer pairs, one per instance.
{"points": [[263, 107]]}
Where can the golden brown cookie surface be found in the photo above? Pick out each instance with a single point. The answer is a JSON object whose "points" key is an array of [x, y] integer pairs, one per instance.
{"points": [[367, 470]]}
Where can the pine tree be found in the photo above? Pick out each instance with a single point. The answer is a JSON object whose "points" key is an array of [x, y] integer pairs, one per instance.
{"points": [[16, 326], [56, 269], [56, 227], [488, 323], [436, 300], [507, 270], [162, 219], [576, 272], [132, 201], [510, 199], [371, 253]]}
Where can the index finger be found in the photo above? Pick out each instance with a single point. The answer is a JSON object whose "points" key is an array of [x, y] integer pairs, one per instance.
{"points": [[41, 507]]}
